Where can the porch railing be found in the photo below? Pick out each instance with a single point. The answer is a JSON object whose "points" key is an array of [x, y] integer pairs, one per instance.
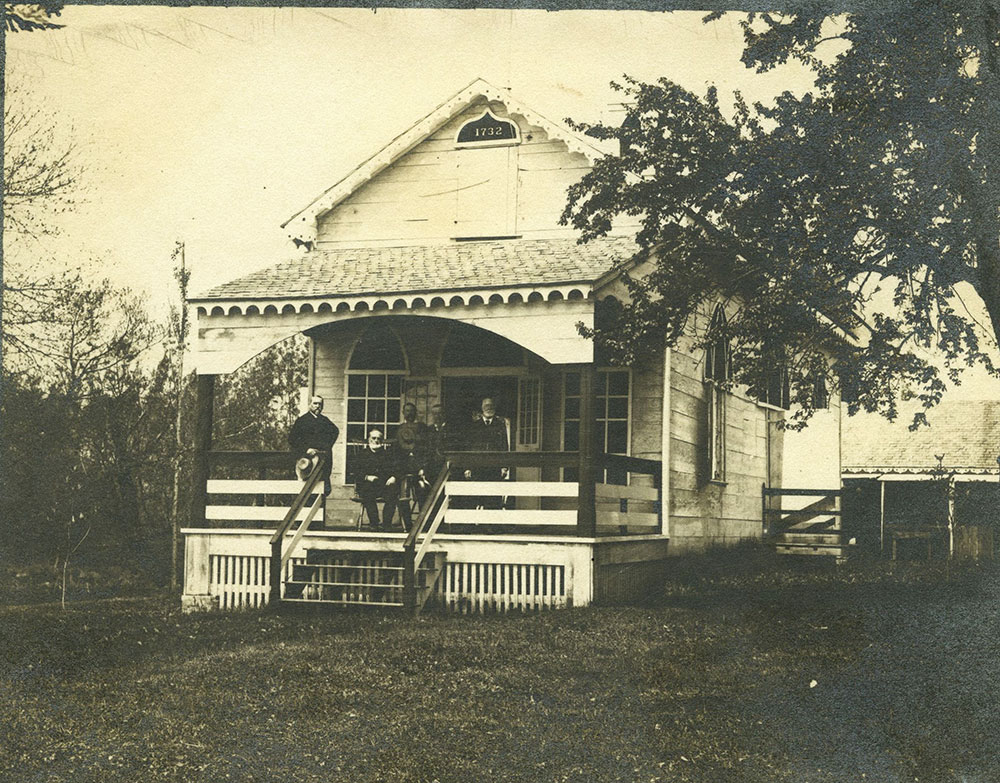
{"points": [[541, 503], [639, 505], [617, 508]]}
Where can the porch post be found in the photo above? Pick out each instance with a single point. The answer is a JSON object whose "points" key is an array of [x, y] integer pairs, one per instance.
{"points": [[204, 401], [586, 519], [881, 517]]}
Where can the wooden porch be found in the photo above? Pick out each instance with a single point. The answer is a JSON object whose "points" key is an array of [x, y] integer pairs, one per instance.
{"points": [[552, 544]]}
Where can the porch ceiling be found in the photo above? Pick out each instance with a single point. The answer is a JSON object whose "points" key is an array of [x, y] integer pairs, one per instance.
{"points": [[380, 271]]}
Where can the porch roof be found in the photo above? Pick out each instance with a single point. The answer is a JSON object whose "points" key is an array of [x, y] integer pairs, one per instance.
{"points": [[430, 268]]}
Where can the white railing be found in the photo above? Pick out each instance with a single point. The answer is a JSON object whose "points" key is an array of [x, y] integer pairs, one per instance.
{"points": [[619, 507], [250, 491], [631, 506], [508, 490]]}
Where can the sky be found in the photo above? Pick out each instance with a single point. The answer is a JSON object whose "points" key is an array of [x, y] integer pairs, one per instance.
{"points": [[212, 126]]}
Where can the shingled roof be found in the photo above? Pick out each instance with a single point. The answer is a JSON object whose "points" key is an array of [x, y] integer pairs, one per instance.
{"points": [[967, 433], [419, 268]]}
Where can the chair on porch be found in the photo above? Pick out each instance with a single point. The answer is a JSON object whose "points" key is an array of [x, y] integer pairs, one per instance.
{"points": [[407, 499]]}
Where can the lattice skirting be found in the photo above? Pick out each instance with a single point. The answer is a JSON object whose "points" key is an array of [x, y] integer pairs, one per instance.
{"points": [[237, 581], [242, 581], [500, 587]]}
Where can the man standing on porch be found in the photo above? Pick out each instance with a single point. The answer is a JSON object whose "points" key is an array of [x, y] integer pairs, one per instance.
{"points": [[312, 436], [489, 433], [411, 445], [377, 477]]}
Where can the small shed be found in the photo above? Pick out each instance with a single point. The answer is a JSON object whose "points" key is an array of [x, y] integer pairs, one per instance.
{"points": [[927, 492]]}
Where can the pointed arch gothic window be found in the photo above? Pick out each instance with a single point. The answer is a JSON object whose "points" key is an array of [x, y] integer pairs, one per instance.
{"points": [[717, 374]]}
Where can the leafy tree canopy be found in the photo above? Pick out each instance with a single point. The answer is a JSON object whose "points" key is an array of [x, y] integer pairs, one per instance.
{"points": [[25, 17], [869, 204]]}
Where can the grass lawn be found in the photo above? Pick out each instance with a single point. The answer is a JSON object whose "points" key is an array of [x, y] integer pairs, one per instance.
{"points": [[737, 672]]}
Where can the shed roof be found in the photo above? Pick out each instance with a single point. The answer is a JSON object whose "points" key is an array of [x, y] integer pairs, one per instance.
{"points": [[966, 432], [430, 268]]}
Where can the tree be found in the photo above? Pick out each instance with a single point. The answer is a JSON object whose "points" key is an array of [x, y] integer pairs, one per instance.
{"points": [[256, 405], [41, 177], [25, 17], [870, 204], [82, 453], [91, 333], [39, 169], [178, 334]]}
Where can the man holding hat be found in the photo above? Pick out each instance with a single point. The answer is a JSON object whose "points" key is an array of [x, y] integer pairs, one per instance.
{"points": [[312, 437]]}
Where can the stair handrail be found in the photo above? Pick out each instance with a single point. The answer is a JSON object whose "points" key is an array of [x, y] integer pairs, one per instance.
{"points": [[300, 531], [278, 559], [432, 508], [436, 491]]}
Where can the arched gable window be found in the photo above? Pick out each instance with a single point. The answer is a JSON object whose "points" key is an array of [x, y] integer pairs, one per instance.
{"points": [[374, 388], [717, 373], [488, 129]]}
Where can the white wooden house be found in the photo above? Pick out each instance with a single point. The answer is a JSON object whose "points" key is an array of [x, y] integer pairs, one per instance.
{"points": [[437, 272]]}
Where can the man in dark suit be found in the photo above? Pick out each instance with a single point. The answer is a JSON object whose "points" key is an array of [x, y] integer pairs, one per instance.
{"points": [[312, 436], [377, 474], [439, 441], [411, 451], [488, 433]]}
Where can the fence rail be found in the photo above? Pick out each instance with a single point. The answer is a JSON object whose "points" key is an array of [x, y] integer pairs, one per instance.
{"points": [[632, 506]]}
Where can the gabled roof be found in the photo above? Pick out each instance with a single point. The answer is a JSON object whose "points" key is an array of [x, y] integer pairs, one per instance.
{"points": [[430, 268], [302, 225], [966, 433]]}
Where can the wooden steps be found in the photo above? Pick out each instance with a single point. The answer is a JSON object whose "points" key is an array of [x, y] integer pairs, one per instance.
{"points": [[824, 539], [357, 578]]}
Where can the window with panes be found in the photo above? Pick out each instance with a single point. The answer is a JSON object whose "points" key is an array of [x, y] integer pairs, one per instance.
{"points": [[612, 424], [374, 390]]}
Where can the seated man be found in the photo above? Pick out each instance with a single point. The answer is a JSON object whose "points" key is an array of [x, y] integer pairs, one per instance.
{"points": [[376, 472]]}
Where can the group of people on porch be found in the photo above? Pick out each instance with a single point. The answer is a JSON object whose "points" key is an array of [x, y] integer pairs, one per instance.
{"points": [[402, 471]]}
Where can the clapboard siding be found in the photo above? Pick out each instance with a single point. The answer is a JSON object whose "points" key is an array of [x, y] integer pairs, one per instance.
{"points": [[542, 192], [647, 409], [435, 192], [703, 513]]}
